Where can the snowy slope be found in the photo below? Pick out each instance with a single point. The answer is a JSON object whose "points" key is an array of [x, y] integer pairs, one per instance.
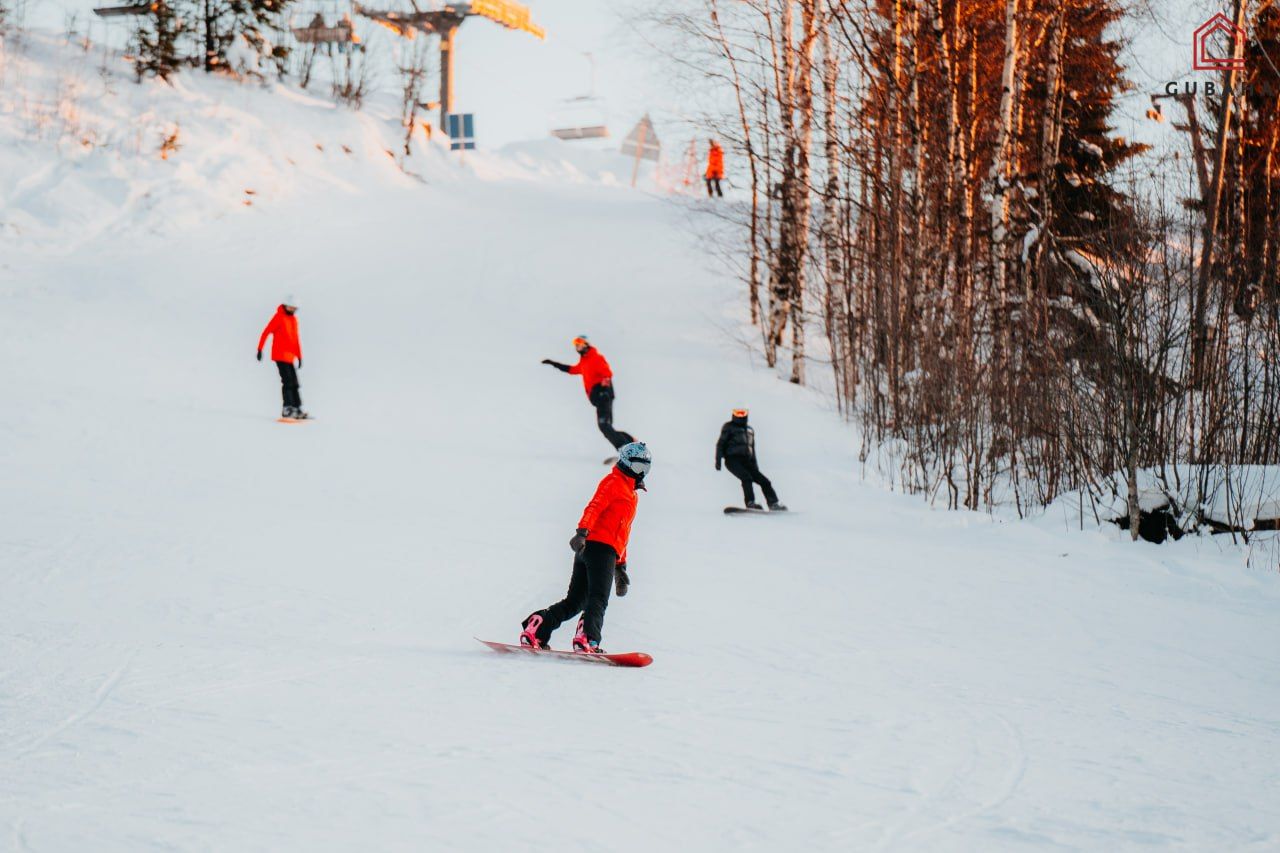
{"points": [[221, 633]]}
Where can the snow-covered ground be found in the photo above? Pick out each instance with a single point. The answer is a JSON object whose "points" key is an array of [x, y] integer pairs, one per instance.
{"points": [[222, 633]]}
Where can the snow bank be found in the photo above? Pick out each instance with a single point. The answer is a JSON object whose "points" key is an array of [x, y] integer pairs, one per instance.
{"points": [[86, 151], [1242, 497]]}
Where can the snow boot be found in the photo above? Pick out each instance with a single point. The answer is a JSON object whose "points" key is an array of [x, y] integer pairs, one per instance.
{"points": [[529, 636], [754, 505], [287, 412], [581, 644], [777, 506], [298, 414]]}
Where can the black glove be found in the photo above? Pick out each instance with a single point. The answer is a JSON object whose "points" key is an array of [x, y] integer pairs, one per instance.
{"points": [[259, 355], [579, 540], [299, 363], [620, 580], [717, 464], [563, 368]]}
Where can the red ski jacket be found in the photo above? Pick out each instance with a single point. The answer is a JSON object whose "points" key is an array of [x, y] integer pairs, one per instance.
{"points": [[608, 516], [593, 369], [715, 162], [283, 329]]}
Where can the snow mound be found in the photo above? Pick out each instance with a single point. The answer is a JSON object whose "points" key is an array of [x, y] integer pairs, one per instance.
{"points": [[87, 151]]}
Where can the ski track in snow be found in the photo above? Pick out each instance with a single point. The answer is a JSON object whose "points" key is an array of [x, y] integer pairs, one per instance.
{"points": [[220, 633], [100, 696]]}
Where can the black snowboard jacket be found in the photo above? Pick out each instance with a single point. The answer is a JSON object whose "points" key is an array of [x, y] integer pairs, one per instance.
{"points": [[737, 438]]}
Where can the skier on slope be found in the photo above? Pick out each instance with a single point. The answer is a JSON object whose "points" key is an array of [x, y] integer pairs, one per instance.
{"points": [[715, 169], [737, 449], [286, 348], [599, 556], [597, 379]]}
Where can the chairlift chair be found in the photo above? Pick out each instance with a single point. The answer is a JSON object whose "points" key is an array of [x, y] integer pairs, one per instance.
{"points": [[320, 33], [582, 117]]}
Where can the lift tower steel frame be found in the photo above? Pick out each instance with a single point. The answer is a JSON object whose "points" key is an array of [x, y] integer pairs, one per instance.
{"points": [[445, 22]]}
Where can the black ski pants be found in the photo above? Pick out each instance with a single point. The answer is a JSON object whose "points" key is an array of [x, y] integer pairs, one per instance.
{"points": [[289, 384], [589, 588], [746, 470], [716, 183], [602, 398]]}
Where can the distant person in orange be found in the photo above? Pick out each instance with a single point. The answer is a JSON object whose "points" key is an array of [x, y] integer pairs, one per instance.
{"points": [[715, 170], [597, 381], [286, 348]]}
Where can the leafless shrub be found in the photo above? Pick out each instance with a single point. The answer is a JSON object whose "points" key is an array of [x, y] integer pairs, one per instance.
{"points": [[412, 63], [352, 77]]}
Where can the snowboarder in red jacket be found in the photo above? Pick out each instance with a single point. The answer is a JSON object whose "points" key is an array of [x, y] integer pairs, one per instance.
{"points": [[599, 556], [597, 380], [286, 348]]}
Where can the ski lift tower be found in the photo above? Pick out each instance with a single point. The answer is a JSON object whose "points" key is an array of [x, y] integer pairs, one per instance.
{"points": [[444, 21]]}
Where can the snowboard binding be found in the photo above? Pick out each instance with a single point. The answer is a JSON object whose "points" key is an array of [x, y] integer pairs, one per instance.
{"points": [[529, 636]]}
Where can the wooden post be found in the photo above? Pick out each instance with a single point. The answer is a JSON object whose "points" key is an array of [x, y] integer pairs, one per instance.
{"points": [[446, 74], [635, 169]]}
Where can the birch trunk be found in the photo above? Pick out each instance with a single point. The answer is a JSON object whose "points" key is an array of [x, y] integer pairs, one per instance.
{"points": [[831, 249], [744, 118], [1000, 167], [953, 175], [1199, 349], [920, 252], [801, 203], [783, 265], [1050, 140]]}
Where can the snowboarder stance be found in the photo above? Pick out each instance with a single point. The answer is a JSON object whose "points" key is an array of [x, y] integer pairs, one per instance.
{"points": [[715, 169], [285, 350], [597, 379], [599, 556], [737, 449]]}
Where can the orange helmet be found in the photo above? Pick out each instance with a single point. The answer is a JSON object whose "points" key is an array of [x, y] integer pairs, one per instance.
{"points": [[581, 341], [739, 413]]}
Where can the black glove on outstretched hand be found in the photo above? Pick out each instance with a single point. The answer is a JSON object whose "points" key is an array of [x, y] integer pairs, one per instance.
{"points": [[563, 368], [259, 355], [620, 580], [579, 540]]}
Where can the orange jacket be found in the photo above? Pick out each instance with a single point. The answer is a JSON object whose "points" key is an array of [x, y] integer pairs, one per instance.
{"points": [[283, 329], [593, 369], [715, 162], [608, 516]]}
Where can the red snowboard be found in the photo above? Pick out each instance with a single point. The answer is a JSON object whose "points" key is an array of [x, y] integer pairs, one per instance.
{"points": [[620, 659]]}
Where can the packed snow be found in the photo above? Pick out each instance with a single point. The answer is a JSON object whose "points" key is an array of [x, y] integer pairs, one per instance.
{"points": [[218, 632]]}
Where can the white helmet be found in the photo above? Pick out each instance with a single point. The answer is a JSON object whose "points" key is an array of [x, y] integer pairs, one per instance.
{"points": [[635, 459]]}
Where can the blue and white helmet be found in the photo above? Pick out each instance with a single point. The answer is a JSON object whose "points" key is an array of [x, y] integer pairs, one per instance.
{"points": [[635, 459]]}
